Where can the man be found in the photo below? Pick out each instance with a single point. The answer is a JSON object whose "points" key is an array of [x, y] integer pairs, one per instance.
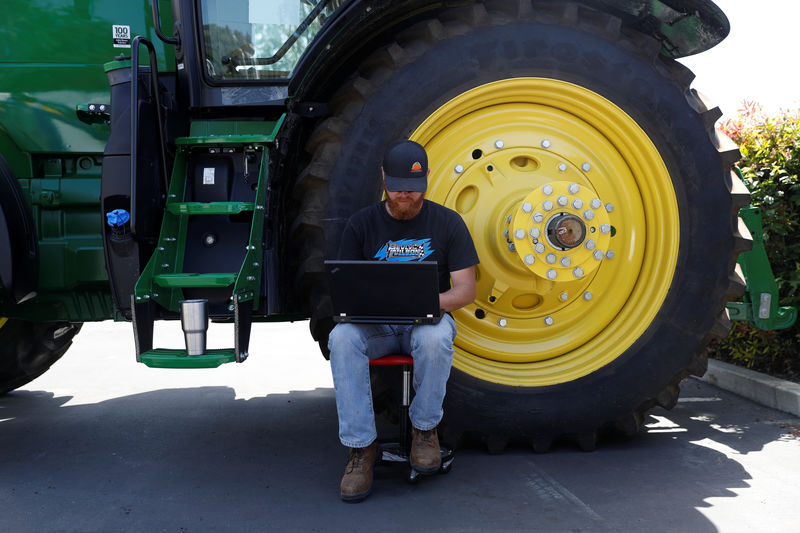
{"points": [[404, 227]]}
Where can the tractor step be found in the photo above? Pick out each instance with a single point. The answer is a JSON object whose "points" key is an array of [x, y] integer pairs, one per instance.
{"points": [[209, 208], [190, 280], [176, 358]]}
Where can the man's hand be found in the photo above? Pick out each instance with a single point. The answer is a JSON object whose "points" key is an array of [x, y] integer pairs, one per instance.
{"points": [[462, 291]]}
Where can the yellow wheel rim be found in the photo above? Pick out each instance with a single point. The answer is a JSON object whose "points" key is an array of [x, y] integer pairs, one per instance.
{"points": [[552, 308]]}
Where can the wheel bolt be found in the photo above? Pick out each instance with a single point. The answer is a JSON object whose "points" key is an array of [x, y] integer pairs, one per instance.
{"points": [[547, 205], [545, 144], [590, 244], [574, 188], [459, 169], [562, 167], [577, 203], [610, 254], [527, 207], [586, 167], [538, 217], [502, 322], [511, 247], [562, 201], [550, 258], [547, 190], [499, 144], [587, 296], [548, 320], [588, 214], [596, 203], [519, 234], [552, 274], [564, 296], [577, 272], [539, 248], [605, 228], [598, 254], [529, 259], [609, 207], [566, 261], [535, 232]]}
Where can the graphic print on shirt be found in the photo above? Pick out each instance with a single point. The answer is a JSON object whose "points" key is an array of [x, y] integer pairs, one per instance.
{"points": [[405, 250]]}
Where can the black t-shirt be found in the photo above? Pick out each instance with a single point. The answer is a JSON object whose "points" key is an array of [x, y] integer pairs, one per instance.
{"points": [[437, 233]]}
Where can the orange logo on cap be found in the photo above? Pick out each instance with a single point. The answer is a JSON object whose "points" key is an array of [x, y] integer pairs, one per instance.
{"points": [[416, 167]]}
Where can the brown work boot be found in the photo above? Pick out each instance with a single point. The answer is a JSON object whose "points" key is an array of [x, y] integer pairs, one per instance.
{"points": [[357, 479], [426, 456]]}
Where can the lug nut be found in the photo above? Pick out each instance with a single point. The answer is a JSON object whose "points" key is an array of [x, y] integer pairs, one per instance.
{"points": [[564, 296], [535, 232], [548, 320], [590, 244], [605, 228], [588, 214], [587, 296], [511, 247], [552, 274], [539, 248], [562, 201], [547, 205], [502, 322], [574, 188], [459, 169], [499, 144], [529, 259], [550, 258], [577, 203], [547, 190], [609, 207], [566, 261], [562, 167], [545, 144], [519, 234], [598, 254], [538, 217], [595, 203], [527, 207], [577, 272], [610, 254], [586, 167]]}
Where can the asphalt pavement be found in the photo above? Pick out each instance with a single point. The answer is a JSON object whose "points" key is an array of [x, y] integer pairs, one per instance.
{"points": [[103, 444]]}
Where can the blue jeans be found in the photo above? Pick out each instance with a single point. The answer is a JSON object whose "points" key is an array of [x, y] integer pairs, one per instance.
{"points": [[353, 345]]}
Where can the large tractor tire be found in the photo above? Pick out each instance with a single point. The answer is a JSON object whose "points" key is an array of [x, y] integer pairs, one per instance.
{"points": [[29, 349], [543, 112]]}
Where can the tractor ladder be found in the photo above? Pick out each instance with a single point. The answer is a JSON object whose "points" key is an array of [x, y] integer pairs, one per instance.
{"points": [[208, 258]]}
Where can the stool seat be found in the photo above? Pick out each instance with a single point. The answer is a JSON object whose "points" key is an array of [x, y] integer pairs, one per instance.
{"points": [[392, 360]]}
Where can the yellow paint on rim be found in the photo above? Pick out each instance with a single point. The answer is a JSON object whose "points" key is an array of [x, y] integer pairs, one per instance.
{"points": [[490, 148], [3, 321]]}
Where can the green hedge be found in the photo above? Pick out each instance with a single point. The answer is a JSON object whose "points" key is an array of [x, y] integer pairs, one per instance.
{"points": [[770, 146]]}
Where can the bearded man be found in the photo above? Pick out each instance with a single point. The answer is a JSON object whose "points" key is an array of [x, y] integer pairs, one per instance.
{"points": [[403, 227]]}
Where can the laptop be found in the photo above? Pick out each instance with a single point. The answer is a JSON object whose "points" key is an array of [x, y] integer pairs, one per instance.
{"points": [[384, 292]]}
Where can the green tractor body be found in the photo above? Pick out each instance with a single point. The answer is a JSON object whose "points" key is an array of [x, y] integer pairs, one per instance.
{"points": [[212, 151]]}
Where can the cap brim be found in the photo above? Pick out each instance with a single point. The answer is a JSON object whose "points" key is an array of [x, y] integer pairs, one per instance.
{"points": [[406, 184]]}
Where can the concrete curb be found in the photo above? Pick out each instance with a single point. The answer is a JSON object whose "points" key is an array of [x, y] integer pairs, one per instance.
{"points": [[765, 390]]}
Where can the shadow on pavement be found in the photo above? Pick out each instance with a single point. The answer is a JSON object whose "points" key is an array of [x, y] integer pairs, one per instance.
{"points": [[198, 459]]}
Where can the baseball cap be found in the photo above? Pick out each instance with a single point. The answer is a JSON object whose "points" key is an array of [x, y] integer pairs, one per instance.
{"points": [[405, 165]]}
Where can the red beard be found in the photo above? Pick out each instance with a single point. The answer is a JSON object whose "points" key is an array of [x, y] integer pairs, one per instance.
{"points": [[404, 209]]}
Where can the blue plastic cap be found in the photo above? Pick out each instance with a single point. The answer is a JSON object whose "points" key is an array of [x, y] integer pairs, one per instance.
{"points": [[117, 218]]}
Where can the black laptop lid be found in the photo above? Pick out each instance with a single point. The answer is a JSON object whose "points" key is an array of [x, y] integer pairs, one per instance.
{"points": [[390, 292]]}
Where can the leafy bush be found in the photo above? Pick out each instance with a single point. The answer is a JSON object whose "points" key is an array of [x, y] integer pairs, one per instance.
{"points": [[770, 147]]}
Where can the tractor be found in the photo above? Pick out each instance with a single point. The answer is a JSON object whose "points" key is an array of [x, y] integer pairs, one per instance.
{"points": [[155, 154]]}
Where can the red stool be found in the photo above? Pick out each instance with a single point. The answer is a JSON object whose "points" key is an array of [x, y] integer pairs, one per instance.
{"points": [[394, 452]]}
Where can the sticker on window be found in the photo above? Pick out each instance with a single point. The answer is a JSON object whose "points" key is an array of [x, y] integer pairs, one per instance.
{"points": [[121, 35], [208, 176]]}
